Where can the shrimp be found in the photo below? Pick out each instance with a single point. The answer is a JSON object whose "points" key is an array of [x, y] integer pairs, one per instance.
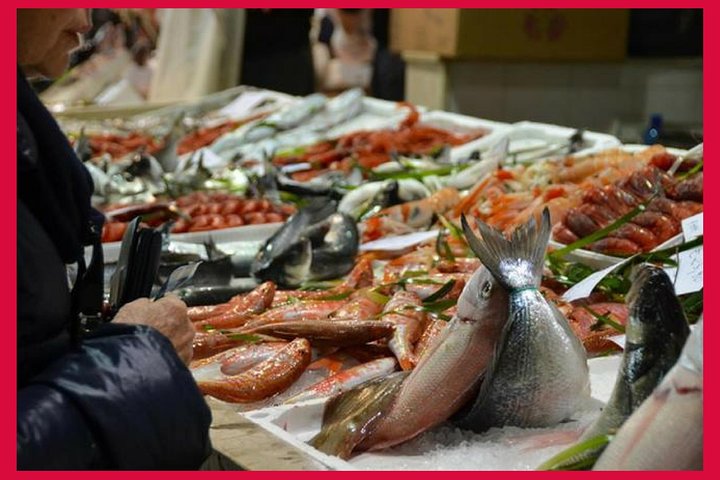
{"points": [[420, 213]]}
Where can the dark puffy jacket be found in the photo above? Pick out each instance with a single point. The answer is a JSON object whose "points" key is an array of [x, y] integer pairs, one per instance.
{"points": [[120, 398]]}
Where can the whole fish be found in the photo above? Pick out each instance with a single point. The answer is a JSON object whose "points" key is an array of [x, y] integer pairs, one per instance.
{"points": [[314, 244], [243, 309], [267, 378], [203, 296], [402, 311], [297, 311], [336, 333], [234, 361], [655, 335], [285, 256], [666, 432], [451, 369], [337, 241], [346, 379], [539, 374], [348, 417], [359, 307], [210, 343], [656, 332]]}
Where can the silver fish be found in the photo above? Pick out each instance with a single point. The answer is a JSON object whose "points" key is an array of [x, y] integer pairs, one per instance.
{"points": [[666, 432], [655, 335], [656, 332], [539, 374], [450, 371]]}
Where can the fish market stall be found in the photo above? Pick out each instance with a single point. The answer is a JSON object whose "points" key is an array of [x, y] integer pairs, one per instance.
{"points": [[385, 287]]}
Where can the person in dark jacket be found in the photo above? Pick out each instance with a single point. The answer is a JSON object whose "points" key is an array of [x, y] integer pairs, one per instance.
{"points": [[119, 396]]}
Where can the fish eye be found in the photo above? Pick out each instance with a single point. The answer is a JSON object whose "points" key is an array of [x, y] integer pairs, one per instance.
{"points": [[486, 289]]}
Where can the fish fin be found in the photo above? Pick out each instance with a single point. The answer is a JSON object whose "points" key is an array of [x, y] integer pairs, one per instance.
{"points": [[350, 417], [527, 244]]}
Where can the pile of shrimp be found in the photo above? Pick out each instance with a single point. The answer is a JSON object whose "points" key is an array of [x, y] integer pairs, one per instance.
{"points": [[668, 200], [119, 145], [509, 196], [370, 148]]}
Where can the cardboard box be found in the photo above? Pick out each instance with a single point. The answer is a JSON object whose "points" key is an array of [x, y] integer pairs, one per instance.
{"points": [[512, 34]]}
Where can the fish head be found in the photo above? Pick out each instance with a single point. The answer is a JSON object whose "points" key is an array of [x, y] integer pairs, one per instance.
{"points": [[482, 296], [655, 311]]}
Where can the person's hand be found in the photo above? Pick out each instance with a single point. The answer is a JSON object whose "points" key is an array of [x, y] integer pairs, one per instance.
{"points": [[167, 315]]}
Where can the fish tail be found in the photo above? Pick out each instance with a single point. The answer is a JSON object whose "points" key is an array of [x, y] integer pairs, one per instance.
{"points": [[515, 263]]}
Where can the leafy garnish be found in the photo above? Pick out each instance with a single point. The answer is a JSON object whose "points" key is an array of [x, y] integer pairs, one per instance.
{"points": [[321, 285], [454, 230], [338, 296], [692, 171], [440, 292], [578, 457], [603, 232], [692, 305], [377, 297], [244, 337], [442, 248], [601, 320]]}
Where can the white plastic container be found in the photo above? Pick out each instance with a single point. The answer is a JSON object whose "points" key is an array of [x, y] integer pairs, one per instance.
{"points": [[111, 250], [457, 123], [445, 447]]}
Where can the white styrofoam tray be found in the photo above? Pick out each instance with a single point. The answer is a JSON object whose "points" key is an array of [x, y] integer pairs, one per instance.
{"points": [[446, 447], [248, 233], [457, 123], [376, 114], [523, 134], [599, 260]]}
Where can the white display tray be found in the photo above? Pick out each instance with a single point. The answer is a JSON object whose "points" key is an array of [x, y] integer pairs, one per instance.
{"points": [[111, 251], [457, 123], [446, 447], [525, 133], [376, 114], [599, 260]]}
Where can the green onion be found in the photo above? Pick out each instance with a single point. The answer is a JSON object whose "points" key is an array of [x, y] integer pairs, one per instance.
{"points": [[578, 457], [440, 292], [339, 296], [244, 337], [442, 248], [603, 232], [692, 171], [604, 320]]}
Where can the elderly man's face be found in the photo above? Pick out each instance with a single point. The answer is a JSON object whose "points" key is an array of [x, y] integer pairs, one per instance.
{"points": [[46, 36]]}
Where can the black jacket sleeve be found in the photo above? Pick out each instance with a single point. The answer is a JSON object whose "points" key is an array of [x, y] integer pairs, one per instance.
{"points": [[123, 400]]}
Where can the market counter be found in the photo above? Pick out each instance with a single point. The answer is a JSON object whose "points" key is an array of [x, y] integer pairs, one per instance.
{"points": [[242, 444]]}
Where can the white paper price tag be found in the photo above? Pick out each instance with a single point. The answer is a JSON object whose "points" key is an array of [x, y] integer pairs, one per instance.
{"points": [[688, 276], [585, 287], [618, 340], [399, 242], [692, 227]]}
